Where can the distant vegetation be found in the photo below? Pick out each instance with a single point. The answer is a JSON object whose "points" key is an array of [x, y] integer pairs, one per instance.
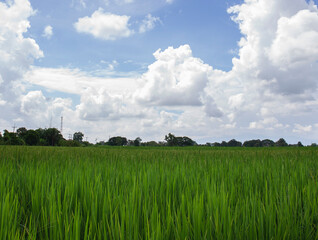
{"points": [[53, 137]]}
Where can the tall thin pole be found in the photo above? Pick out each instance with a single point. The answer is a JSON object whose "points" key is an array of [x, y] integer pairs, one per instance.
{"points": [[14, 127], [61, 124]]}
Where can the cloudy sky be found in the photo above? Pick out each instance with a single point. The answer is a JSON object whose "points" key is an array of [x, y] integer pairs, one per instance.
{"points": [[208, 69]]}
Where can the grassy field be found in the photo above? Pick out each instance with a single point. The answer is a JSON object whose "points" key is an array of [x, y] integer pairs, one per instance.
{"points": [[158, 193]]}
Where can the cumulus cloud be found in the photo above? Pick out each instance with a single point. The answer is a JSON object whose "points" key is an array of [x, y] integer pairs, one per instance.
{"points": [[48, 32], [279, 44], [175, 78], [17, 52], [302, 129], [33, 102], [148, 23], [270, 89], [100, 104], [75, 81], [105, 26]]}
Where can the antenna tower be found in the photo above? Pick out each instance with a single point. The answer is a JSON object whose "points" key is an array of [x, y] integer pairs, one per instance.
{"points": [[61, 124], [14, 127]]}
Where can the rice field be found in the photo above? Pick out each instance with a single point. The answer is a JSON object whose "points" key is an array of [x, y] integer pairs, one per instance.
{"points": [[158, 193]]}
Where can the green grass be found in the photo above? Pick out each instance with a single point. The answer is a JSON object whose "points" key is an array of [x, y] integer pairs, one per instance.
{"points": [[158, 193]]}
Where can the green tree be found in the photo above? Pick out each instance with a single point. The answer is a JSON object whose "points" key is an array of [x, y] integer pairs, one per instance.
{"points": [[268, 143], [171, 140], [78, 136], [52, 136], [31, 138], [69, 143], [1, 139], [117, 141], [281, 143], [10, 138], [21, 132], [150, 144], [137, 142], [299, 144], [252, 143], [234, 143], [186, 141]]}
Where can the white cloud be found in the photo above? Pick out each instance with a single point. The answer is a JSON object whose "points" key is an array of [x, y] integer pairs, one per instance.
{"points": [[279, 45], [100, 104], [105, 26], [272, 85], [148, 23], [175, 78], [75, 81], [302, 129], [33, 102], [48, 32], [169, 1], [17, 52]]}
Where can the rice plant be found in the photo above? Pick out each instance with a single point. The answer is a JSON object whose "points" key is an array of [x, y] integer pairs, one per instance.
{"points": [[158, 193]]}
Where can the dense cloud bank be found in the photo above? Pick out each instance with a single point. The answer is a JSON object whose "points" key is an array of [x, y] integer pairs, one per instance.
{"points": [[270, 91]]}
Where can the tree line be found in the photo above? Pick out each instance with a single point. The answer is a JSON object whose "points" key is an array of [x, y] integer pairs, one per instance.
{"points": [[53, 137]]}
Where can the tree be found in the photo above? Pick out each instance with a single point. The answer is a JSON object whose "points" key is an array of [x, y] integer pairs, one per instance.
{"points": [[21, 132], [299, 144], [52, 136], [150, 144], [31, 138], [252, 143], [1, 139], [117, 141], [171, 140], [281, 143], [69, 143], [268, 143], [234, 143], [10, 138], [78, 136], [137, 142], [186, 141]]}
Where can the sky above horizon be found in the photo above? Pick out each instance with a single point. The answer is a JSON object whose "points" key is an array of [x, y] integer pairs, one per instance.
{"points": [[210, 70]]}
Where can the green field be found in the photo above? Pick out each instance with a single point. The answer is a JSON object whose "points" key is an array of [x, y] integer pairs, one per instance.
{"points": [[158, 193]]}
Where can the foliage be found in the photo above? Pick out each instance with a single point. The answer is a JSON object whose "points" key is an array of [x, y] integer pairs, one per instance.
{"points": [[69, 143], [281, 143], [78, 136], [299, 144], [172, 140], [150, 144], [267, 143], [117, 141], [31, 138], [52, 136], [21, 132], [137, 142], [10, 138], [252, 143], [234, 143]]}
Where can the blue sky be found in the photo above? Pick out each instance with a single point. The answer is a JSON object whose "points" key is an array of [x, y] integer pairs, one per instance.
{"points": [[211, 70], [206, 26]]}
